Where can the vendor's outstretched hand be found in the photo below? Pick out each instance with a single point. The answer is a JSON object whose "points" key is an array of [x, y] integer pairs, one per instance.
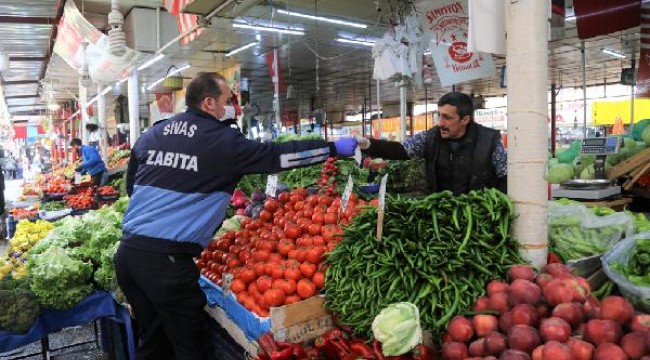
{"points": [[345, 146]]}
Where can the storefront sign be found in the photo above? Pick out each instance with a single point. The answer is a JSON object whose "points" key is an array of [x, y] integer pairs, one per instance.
{"points": [[446, 23], [493, 118], [606, 112], [74, 29]]}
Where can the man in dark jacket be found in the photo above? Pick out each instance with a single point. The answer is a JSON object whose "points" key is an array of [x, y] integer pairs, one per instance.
{"points": [[181, 175], [91, 162], [460, 155]]}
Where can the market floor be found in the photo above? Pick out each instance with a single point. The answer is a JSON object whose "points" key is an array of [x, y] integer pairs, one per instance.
{"points": [[83, 335]]}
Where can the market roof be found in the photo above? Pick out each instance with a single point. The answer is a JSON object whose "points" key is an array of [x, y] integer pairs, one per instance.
{"points": [[344, 76]]}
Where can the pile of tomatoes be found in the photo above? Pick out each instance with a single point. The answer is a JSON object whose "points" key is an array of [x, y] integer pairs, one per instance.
{"points": [[107, 191], [278, 259], [57, 186], [83, 200], [328, 177]]}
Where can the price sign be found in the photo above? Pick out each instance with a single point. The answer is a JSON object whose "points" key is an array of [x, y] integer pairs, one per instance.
{"points": [[271, 185], [77, 178], [346, 194], [382, 207], [226, 283], [357, 155]]}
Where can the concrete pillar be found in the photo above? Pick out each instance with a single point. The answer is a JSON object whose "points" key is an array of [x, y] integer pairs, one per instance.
{"points": [[134, 111], [527, 67]]}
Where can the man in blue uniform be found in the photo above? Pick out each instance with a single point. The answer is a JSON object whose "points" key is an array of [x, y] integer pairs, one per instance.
{"points": [[91, 162], [181, 175]]}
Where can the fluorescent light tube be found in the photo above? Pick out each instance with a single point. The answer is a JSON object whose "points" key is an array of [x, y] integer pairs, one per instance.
{"points": [[326, 19], [358, 42], [613, 53], [242, 48], [151, 61], [176, 71], [268, 28]]}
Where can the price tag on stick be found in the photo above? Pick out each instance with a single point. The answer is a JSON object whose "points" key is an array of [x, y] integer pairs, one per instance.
{"points": [[346, 194], [225, 284], [271, 185], [382, 207]]}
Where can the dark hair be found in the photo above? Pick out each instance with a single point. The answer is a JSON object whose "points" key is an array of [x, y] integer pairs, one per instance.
{"points": [[203, 85], [462, 102], [92, 127], [75, 142]]}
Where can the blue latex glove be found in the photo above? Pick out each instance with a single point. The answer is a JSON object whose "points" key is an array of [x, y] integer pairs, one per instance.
{"points": [[345, 146]]}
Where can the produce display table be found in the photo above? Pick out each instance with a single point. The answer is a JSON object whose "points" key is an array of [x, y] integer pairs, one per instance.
{"points": [[98, 305]]}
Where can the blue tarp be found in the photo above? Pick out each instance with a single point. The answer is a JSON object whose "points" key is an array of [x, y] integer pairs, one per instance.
{"points": [[252, 325], [97, 305]]}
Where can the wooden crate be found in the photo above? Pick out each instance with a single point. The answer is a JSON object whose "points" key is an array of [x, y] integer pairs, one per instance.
{"points": [[302, 321], [638, 160]]}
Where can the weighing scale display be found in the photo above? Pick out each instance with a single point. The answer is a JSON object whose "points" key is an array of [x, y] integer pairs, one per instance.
{"points": [[601, 146]]}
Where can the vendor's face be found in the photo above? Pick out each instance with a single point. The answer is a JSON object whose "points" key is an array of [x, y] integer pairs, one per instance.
{"points": [[215, 106], [450, 124]]}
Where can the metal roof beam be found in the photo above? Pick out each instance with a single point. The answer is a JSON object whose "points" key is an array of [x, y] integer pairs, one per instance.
{"points": [[21, 97], [28, 58], [27, 20], [20, 82]]}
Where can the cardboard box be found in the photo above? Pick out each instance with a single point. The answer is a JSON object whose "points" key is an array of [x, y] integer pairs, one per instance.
{"points": [[301, 321]]}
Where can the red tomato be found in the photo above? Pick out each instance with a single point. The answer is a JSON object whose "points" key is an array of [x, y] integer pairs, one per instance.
{"points": [[293, 254], [308, 213], [292, 274], [242, 296], [278, 272], [264, 283], [206, 256], [276, 258], [312, 200], [288, 286], [244, 256], [318, 240], [266, 216], [314, 229], [268, 268], [305, 241], [315, 255], [224, 244], [285, 246], [284, 197], [301, 255], [215, 268], [331, 218], [329, 232], [237, 286], [233, 263], [324, 200], [307, 269], [317, 218], [319, 279], [292, 299], [271, 205], [299, 205], [252, 289], [259, 269], [292, 231], [200, 264], [261, 255], [247, 275], [305, 288], [274, 297]]}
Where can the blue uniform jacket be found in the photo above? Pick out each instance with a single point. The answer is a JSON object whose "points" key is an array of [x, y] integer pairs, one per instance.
{"points": [[92, 162], [182, 173]]}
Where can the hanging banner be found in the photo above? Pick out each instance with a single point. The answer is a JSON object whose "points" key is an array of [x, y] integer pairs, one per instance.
{"points": [[643, 78], [275, 69], [487, 26], [73, 30], [446, 23], [183, 21], [595, 18]]}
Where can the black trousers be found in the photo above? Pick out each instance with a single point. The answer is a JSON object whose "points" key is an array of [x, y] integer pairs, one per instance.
{"points": [[167, 302], [96, 180]]}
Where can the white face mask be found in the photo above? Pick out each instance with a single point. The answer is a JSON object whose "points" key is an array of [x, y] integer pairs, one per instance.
{"points": [[229, 112]]}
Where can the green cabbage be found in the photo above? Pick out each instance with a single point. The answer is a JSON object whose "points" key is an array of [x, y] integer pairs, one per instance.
{"points": [[645, 136], [397, 328], [588, 173], [559, 173]]}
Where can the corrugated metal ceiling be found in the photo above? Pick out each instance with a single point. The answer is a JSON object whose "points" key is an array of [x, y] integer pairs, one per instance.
{"points": [[28, 8]]}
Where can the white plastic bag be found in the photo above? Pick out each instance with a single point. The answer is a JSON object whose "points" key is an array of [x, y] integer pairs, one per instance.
{"points": [[639, 296]]}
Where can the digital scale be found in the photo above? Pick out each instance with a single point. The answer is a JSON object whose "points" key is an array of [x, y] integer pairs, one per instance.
{"points": [[600, 187]]}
